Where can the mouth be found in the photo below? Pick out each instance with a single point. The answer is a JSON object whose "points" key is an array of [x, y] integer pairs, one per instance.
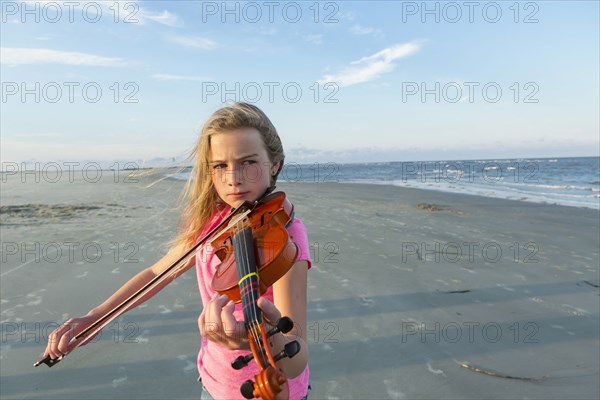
{"points": [[238, 195]]}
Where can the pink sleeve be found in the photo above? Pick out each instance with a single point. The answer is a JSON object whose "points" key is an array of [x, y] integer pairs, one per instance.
{"points": [[298, 235]]}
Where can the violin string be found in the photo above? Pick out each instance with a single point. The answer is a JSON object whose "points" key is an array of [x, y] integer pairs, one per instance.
{"points": [[254, 301], [241, 259], [251, 310]]}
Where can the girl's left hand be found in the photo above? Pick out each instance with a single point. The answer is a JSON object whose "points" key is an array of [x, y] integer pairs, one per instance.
{"points": [[218, 324]]}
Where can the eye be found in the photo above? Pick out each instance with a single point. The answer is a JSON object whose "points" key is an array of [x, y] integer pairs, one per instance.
{"points": [[220, 166], [248, 162]]}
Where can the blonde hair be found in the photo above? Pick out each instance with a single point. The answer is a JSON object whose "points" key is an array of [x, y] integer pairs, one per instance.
{"points": [[199, 196]]}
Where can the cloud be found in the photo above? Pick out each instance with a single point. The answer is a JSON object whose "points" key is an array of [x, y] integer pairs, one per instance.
{"points": [[194, 41], [131, 12], [23, 56], [369, 68], [165, 17], [127, 11], [363, 30], [316, 39], [167, 77]]}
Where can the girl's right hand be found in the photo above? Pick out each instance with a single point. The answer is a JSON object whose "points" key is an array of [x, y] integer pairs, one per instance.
{"points": [[59, 341]]}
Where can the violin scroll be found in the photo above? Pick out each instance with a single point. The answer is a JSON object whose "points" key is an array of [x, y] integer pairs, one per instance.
{"points": [[270, 381]]}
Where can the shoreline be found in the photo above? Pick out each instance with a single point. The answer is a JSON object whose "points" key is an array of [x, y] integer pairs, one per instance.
{"points": [[563, 181]]}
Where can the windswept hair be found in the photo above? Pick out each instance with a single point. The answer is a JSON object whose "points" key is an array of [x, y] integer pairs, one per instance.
{"points": [[199, 196]]}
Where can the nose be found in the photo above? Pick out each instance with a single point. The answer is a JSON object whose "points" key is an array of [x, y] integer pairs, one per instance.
{"points": [[233, 176]]}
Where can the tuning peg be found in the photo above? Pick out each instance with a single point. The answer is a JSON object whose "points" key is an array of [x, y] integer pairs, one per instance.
{"points": [[242, 361], [247, 389], [290, 350], [284, 325]]}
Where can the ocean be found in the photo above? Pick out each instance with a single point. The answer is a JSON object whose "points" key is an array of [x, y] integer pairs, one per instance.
{"points": [[566, 181]]}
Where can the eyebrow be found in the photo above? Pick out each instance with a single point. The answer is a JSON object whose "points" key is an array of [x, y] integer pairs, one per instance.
{"points": [[238, 159]]}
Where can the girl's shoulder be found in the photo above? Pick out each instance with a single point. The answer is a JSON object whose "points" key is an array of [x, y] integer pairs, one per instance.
{"points": [[298, 234], [296, 226]]}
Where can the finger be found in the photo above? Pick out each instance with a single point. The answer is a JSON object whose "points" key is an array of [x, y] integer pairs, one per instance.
{"points": [[54, 340], [208, 312], [213, 324], [46, 353], [213, 311], [51, 350], [227, 316], [61, 338], [63, 344], [270, 313], [234, 329]]}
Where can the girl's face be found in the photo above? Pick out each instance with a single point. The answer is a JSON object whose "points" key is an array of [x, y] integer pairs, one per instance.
{"points": [[240, 166]]}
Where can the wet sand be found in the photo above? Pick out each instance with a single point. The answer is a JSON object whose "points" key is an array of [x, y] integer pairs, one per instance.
{"points": [[413, 293]]}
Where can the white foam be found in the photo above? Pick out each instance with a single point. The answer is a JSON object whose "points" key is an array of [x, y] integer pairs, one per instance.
{"points": [[141, 338], [116, 382], [506, 287], [178, 303], [393, 390], [435, 371], [164, 309], [331, 386], [575, 310], [366, 301], [189, 366]]}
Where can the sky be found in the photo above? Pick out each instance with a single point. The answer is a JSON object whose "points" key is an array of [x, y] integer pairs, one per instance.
{"points": [[342, 81]]}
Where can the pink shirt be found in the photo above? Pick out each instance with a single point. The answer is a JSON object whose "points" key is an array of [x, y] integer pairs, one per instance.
{"points": [[214, 361]]}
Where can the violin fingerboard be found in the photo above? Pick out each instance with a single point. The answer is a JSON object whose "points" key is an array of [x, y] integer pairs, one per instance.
{"points": [[243, 247]]}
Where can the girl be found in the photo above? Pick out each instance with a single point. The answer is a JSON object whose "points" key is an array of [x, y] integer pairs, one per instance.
{"points": [[237, 158]]}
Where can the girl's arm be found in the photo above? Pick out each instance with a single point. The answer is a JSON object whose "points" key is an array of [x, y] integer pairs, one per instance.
{"points": [[289, 294], [139, 280], [59, 339]]}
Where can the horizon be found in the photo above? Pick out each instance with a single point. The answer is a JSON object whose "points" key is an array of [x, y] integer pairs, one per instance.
{"points": [[127, 165]]}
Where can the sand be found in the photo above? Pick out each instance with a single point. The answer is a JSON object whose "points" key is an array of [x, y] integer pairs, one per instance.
{"points": [[413, 294]]}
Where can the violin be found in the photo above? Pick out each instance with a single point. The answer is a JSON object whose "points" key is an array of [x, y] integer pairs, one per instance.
{"points": [[255, 251], [274, 252]]}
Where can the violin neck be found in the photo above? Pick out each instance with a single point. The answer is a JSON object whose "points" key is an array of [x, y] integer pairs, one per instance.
{"points": [[243, 247]]}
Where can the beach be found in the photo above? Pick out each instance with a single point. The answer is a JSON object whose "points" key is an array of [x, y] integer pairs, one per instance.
{"points": [[413, 294]]}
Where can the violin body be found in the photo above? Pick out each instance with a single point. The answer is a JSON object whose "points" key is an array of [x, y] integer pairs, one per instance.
{"points": [[274, 252]]}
